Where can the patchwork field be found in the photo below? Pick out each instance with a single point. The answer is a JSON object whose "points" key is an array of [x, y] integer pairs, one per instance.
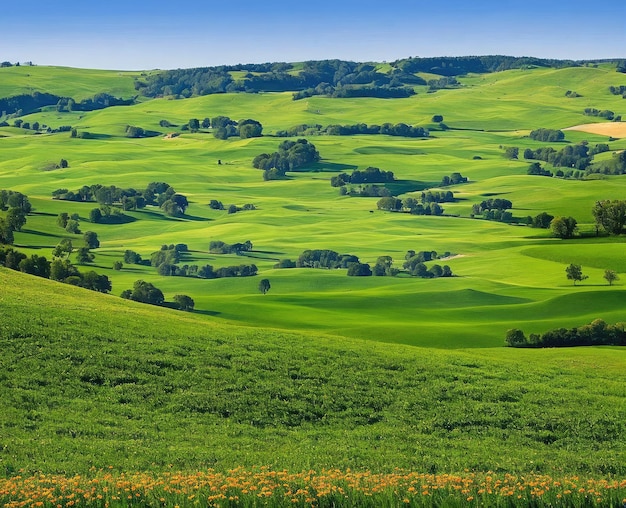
{"points": [[324, 370]]}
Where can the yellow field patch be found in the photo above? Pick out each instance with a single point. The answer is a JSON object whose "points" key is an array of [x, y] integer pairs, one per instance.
{"points": [[613, 129]]}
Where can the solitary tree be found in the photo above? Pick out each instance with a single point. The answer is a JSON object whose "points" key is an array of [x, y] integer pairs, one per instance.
{"points": [[264, 286], [575, 273], [610, 276], [91, 240], [184, 302]]}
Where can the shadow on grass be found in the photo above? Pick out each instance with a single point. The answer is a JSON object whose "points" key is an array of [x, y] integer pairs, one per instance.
{"points": [[40, 233], [403, 186], [325, 167], [207, 312], [184, 218]]}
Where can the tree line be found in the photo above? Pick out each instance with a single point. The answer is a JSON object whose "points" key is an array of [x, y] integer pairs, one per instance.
{"points": [[597, 333], [156, 193], [332, 260], [388, 129], [290, 155], [368, 175]]}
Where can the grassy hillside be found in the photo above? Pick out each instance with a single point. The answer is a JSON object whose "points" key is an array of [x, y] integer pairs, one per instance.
{"points": [[65, 81], [507, 276], [328, 390], [92, 381]]}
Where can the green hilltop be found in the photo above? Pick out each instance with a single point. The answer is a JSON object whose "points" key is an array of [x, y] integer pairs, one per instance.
{"points": [[326, 369]]}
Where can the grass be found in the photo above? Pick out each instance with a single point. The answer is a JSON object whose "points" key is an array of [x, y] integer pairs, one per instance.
{"points": [[167, 388], [325, 371]]}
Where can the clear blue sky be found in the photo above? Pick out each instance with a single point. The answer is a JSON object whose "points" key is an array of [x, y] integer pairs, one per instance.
{"points": [[140, 34]]}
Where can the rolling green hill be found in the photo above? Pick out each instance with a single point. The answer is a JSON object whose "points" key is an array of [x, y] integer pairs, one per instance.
{"points": [[325, 370], [91, 380]]}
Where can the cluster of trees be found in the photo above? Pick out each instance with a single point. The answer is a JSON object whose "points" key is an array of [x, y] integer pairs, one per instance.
{"points": [[564, 227], [98, 101], [618, 90], [414, 264], [368, 191], [59, 269], [327, 77], [224, 127], [156, 193], [577, 156], [615, 166], [604, 113], [536, 169], [610, 216], [572, 95], [133, 131], [494, 209], [17, 207], [167, 255], [146, 292], [454, 179], [366, 176], [409, 205], [442, 83], [19, 105], [325, 258], [548, 135], [597, 333], [324, 77], [290, 155], [329, 259], [399, 129], [214, 204], [219, 247], [387, 91], [207, 271], [458, 66]]}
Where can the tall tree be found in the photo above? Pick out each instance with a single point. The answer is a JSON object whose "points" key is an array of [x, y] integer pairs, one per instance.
{"points": [[575, 273]]}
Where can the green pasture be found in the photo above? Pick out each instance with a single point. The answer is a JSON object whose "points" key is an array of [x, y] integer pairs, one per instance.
{"points": [[66, 81], [507, 275], [91, 381]]}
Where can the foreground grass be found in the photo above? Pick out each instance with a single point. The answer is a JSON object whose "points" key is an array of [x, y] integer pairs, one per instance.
{"points": [[328, 488], [90, 380]]}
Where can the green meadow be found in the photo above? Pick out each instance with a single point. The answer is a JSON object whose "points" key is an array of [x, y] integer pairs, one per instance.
{"points": [[408, 372]]}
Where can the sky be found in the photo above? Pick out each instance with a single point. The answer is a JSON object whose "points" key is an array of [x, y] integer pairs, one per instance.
{"points": [[142, 35]]}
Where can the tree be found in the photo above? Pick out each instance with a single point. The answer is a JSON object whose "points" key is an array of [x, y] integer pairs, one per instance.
{"points": [[610, 276], [575, 273], [542, 220], [359, 270], [184, 302], [610, 216], [264, 285], [6, 233], [72, 227], [95, 215], [95, 282], [35, 265], [61, 269], [63, 248], [16, 218], [437, 118], [117, 266], [84, 256], [512, 152], [194, 125], [563, 227], [145, 292], [91, 240], [515, 338]]}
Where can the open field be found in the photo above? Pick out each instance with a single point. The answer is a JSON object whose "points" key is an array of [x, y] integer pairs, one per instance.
{"points": [[325, 372], [613, 129]]}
